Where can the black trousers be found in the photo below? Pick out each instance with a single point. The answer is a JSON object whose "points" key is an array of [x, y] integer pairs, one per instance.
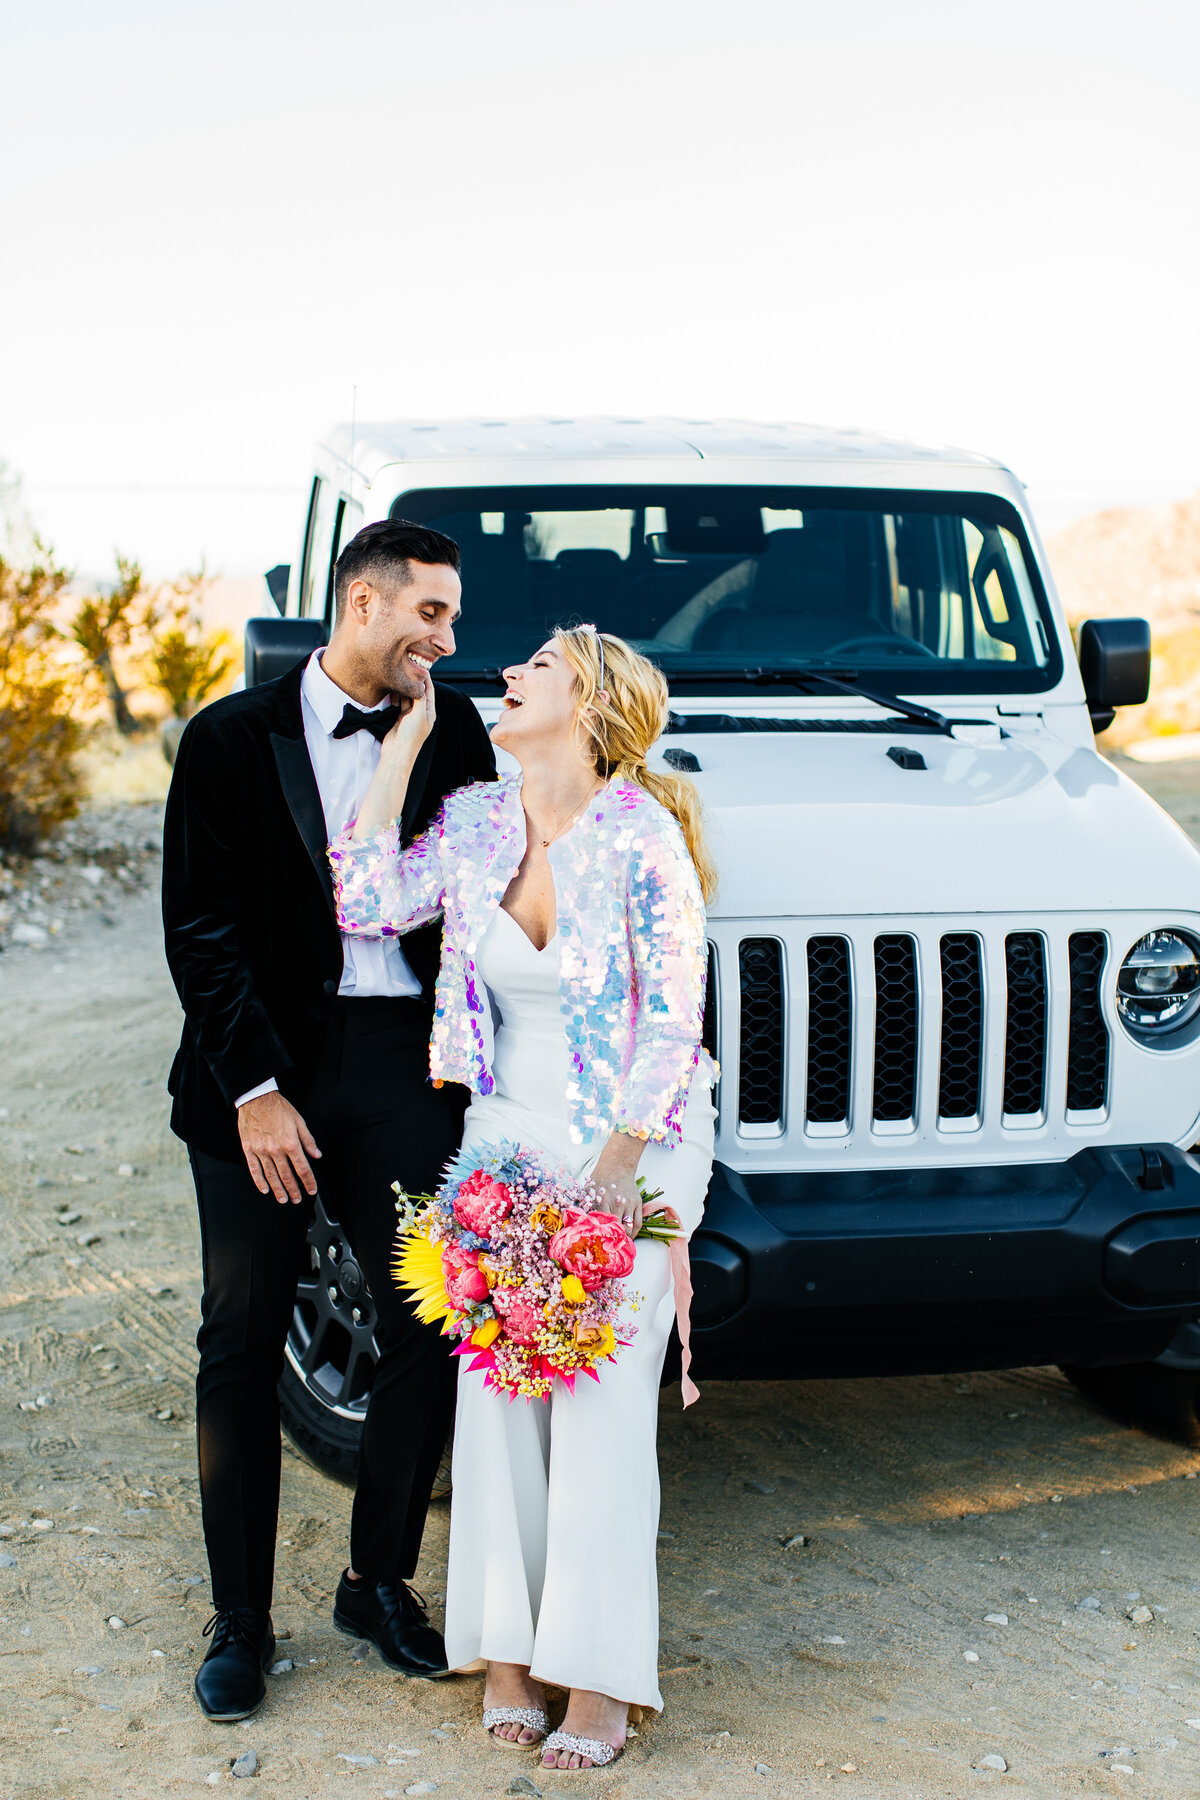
{"points": [[377, 1119]]}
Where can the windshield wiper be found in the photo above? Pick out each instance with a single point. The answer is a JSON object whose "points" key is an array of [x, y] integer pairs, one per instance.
{"points": [[848, 683], [844, 681]]}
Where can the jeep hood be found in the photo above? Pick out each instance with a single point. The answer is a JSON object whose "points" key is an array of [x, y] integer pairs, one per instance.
{"points": [[821, 823]]}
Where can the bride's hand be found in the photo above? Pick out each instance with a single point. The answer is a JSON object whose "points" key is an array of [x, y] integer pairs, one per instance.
{"points": [[404, 740], [620, 1197], [385, 797]]}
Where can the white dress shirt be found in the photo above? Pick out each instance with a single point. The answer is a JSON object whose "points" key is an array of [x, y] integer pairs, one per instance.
{"points": [[343, 767]]}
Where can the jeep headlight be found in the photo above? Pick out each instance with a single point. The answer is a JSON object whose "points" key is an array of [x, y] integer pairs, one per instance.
{"points": [[1158, 988]]}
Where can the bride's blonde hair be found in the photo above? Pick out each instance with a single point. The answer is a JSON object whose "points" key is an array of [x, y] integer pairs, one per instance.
{"points": [[621, 709]]}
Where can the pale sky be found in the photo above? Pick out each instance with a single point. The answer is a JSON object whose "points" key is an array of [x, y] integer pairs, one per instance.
{"points": [[966, 221]]}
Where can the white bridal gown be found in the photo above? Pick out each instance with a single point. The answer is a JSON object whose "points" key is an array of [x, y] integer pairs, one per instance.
{"points": [[554, 1520]]}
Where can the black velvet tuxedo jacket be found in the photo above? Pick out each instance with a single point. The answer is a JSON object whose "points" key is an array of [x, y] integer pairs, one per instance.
{"points": [[251, 935]]}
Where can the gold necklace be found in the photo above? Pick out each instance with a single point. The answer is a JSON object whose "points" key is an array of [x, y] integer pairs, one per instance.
{"points": [[569, 820]]}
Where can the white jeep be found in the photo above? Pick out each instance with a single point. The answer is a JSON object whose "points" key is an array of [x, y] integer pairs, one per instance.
{"points": [[955, 956]]}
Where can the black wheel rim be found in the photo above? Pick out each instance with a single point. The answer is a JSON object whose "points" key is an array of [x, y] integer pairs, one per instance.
{"points": [[331, 1346]]}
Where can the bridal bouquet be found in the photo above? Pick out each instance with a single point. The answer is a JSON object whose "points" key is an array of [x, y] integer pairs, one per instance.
{"points": [[514, 1258]]}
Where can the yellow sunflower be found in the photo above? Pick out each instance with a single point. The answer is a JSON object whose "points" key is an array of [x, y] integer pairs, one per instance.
{"points": [[418, 1267]]}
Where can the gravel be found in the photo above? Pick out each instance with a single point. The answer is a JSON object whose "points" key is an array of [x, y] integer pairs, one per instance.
{"points": [[77, 874], [246, 1763], [903, 1584]]}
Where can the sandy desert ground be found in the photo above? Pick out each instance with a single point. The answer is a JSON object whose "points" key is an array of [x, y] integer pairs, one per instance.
{"points": [[972, 1546]]}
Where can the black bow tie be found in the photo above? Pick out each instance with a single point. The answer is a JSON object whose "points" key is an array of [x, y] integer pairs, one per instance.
{"points": [[377, 723]]}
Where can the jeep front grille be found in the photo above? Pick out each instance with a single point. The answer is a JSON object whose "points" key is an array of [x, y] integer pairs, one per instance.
{"points": [[1087, 1057], [960, 1065], [895, 1093], [1025, 1034], [761, 1060], [891, 1032], [711, 1030], [830, 1030]]}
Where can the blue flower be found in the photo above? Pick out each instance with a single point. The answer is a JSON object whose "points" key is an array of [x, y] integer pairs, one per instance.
{"points": [[499, 1160]]}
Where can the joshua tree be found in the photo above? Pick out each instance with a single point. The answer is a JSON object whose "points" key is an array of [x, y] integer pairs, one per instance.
{"points": [[104, 624]]}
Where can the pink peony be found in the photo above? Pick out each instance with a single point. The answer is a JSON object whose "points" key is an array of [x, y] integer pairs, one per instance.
{"points": [[465, 1280], [522, 1320], [482, 1203], [594, 1246]]}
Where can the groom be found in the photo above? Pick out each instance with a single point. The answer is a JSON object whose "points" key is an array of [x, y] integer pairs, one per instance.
{"points": [[304, 1062]]}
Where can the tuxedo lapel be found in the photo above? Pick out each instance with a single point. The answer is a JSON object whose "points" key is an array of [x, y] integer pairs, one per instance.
{"points": [[299, 783], [300, 790], [417, 784]]}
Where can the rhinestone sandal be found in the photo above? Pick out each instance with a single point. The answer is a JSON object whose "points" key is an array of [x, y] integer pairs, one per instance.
{"points": [[531, 1717], [599, 1753]]}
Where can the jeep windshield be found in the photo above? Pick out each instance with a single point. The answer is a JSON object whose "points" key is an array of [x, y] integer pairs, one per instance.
{"points": [[725, 585]]}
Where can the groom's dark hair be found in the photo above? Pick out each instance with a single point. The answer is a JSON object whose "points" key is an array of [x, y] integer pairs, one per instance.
{"points": [[381, 553]]}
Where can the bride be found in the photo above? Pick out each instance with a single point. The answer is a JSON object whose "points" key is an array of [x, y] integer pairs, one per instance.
{"points": [[569, 1001]]}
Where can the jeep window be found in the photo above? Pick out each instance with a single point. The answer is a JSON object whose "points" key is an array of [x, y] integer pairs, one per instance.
{"points": [[930, 592], [318, 558], [332, 522]]}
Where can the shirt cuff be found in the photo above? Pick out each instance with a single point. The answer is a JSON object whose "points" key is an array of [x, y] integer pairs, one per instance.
{"points": [[264, 1087]]}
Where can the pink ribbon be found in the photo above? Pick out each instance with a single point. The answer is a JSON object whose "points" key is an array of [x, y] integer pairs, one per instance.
{"points": [[681, 1274], [681, 1277]]}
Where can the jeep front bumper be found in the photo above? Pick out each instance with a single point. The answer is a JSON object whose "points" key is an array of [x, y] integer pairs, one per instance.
{"points": [[1093, 1260]]}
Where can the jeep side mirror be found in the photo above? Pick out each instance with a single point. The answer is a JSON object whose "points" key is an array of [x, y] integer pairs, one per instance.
{"points": [[1114, 660], [273, 646], [277, 584]]}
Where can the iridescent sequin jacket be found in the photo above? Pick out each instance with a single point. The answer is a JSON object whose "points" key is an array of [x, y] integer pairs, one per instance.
{"points": [[632, 955]]}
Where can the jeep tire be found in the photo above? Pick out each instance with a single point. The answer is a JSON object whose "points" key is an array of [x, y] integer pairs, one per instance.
{"points": [[1159, 1400], [330, 1355]]}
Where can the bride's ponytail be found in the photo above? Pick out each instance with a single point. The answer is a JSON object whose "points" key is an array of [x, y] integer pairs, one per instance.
{"points": [[679, 796], [623, 702]]}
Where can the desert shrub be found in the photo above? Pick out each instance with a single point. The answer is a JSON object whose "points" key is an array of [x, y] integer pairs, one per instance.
{"points": [[40, 781], [185, 661], [104, 625], [1174, 702]]}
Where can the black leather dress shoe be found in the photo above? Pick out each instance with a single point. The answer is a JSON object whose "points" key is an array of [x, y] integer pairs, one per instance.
{"points": [[230, 1682], [395, 1620]]}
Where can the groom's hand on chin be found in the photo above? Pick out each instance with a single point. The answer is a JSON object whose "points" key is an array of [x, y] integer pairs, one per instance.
{"points": [[277, 1145]]}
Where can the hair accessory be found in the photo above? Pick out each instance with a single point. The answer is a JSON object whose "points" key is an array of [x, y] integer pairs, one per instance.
{"points": [[587, 626]]}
